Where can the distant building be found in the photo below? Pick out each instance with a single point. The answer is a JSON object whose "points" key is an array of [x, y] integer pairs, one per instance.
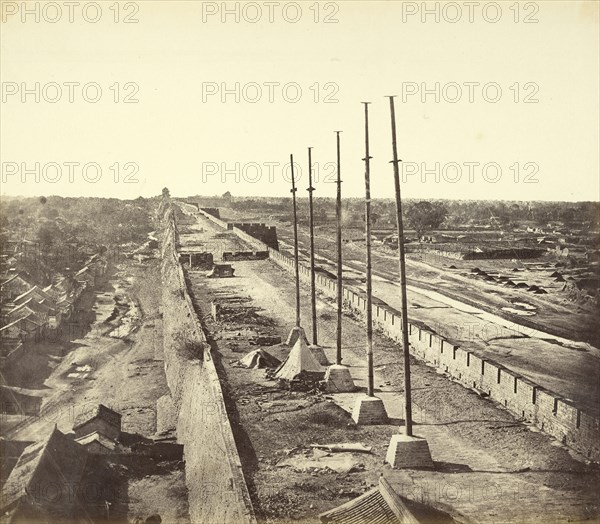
{"points": [[14, 286]]}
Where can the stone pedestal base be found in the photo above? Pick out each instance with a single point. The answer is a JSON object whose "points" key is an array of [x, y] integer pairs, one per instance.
{"points": [[369, 410], [338, 379], [294, 335], [319, 354], [409, 452]]}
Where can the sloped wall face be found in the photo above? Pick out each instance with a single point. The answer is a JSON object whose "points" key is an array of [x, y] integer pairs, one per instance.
{"points": [[217, 491], [554, 415], [216, 488]]}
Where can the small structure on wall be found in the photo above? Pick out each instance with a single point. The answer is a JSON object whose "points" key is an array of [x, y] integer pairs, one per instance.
{"points": [[196, 260], [98, 444], [300, 360], [221, 271]]}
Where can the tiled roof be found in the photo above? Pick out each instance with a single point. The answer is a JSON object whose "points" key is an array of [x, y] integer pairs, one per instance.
{"points": [[100, 411], [97, 437], [57, 454], [369, 508]]}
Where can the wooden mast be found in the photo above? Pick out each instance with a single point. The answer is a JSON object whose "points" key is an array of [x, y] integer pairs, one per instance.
{"points": [[402, 268], [297, 266], [367, 160], [311, 226]]}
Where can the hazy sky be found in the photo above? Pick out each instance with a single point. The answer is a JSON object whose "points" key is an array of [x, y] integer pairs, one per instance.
{"points": [[185, 132]]}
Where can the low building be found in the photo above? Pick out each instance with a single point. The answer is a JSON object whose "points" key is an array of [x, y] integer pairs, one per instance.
{"points": [[10, 351], [35, 292], [14, 286], [32, 309], [101, 420], [98, 444], [25, 329], [86, 275], [45, 484]]}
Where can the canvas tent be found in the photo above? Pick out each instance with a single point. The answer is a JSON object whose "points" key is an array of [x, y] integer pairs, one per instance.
{"points": [[259, 359], [299, 360]]}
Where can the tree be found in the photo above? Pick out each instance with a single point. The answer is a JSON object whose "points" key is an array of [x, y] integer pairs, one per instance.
{"points": [[425, 216], [165, 192], [49, 212], [48, 234]]}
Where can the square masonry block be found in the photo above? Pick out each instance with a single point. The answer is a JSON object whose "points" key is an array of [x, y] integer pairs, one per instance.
{"points": [[369, 410], [338, 379], [406, 452]]}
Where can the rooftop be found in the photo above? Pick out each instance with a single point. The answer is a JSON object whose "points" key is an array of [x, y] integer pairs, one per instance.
{"points": [[100, 411]]}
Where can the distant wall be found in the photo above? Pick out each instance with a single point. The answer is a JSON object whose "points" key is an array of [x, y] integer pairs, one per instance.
{"points": [[214, 211], [259, 236], [556, 416], [214, 219], [217, 491], [229, 256], [262, 232]]}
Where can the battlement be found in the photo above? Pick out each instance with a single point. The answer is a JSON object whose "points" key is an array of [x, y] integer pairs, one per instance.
{"points": [[262, 232]]}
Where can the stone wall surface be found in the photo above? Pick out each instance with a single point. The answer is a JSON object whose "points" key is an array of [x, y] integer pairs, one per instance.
{"points": [[217, 490]]}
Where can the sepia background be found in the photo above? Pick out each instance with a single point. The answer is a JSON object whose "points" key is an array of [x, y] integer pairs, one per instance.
{"points": [[164, 69]]}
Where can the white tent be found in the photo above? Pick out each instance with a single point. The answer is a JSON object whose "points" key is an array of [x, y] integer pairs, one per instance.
{"points": [[259, 358], [300, 359]]}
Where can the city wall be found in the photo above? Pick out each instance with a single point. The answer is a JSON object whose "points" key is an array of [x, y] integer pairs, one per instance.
{"points": [[217, 490], [556, 416]]}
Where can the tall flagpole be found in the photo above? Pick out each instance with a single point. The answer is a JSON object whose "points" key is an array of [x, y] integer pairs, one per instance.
{"points": [[338, 215], [311, 225], [369, 409], [367, 160], [402, 267], [337, 377], [293, 191]]}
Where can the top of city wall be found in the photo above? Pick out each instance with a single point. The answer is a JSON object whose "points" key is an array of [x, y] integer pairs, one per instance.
{"points": [[211, 376], [212, 218], [390, 310]]}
